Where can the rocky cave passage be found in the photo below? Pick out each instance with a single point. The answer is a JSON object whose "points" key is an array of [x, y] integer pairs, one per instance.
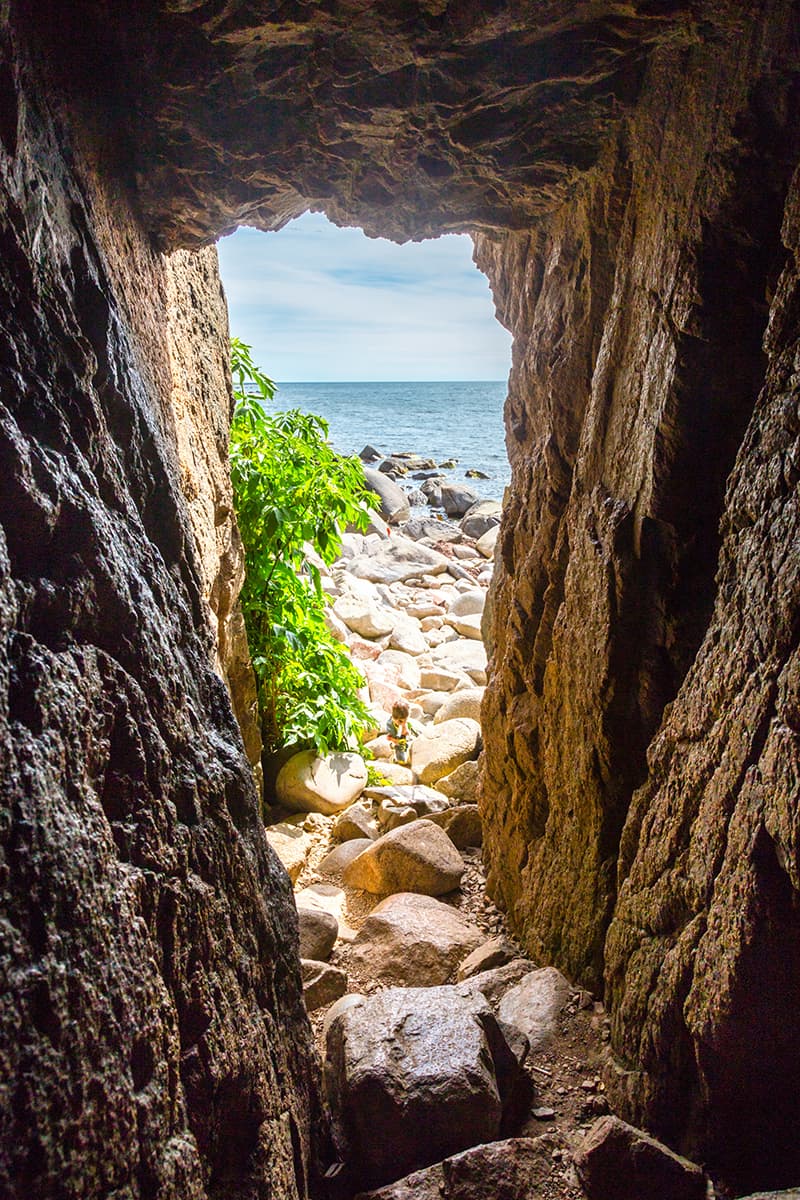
{"points": [[630, 172]]}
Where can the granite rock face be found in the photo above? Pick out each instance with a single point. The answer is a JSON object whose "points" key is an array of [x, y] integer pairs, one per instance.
{"points": [[152, 1033]]}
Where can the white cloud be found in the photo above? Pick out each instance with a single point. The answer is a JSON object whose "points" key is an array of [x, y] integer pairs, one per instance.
{"points": [[321, 303]]}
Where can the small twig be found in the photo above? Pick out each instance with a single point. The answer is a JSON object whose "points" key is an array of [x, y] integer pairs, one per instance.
{"points": [[541, 1070]]}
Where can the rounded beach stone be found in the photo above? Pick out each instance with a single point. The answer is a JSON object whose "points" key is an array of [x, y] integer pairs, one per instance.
{"points": [[418, 857], [466, 702], [310, 782], [444, 747]]}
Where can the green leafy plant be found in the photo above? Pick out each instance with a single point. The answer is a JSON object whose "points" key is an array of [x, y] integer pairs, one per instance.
{"points": [[293, 495]]}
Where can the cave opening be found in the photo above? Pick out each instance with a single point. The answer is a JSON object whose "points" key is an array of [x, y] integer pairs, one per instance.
{"points": [[393, 344]]}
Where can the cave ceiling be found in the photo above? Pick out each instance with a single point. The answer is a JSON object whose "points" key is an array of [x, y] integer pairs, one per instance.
{"points": [[408, 118]]}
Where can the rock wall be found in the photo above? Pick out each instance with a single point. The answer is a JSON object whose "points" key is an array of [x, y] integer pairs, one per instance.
{"points": [[201, 402], [640, 312], [153, 1039]]}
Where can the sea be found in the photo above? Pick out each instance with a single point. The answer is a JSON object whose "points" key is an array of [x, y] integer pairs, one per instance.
{"points": [[460, 421]]}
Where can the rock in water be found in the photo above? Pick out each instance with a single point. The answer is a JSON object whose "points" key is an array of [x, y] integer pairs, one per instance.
{"points": [[618, 1162], [394, 506], [309, 782], [414, 940], [444, 748], [457, 499], [412, 1077], [416, 857]]}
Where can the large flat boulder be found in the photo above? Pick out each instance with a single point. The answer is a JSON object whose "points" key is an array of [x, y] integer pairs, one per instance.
{"points": [[399, 559], [310, 782], [413, 940], [417, 857], [444, 747], [414, 1075]]}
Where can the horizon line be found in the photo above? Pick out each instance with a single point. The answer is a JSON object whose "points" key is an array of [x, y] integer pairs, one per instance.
{"points": [[279, 383]]}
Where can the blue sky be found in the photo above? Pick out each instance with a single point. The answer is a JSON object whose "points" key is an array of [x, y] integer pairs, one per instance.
{"points": [[320, 303]]}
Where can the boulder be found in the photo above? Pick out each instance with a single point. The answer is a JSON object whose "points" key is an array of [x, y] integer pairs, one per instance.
{"points": [[480, 518], [309, 782], [428, 527], [462, 824], [398, 559], [495, 953], [533, 1005], [413, 858], [423, 800], [466, 656], [468, 627], [461, 785], [392, 816], [340, 856], [505, 1170], [329, 898], [494, 983], [486, 544], [368, 620], [394, 506], [322, 983], [406, 636], [397, 773], [439, 679], [467, 604], [444, 748], [318, 932], [414, 1075], [617, 1162], [357, 821], [432, 701], [369, 454], [410, 939], [292, 845], [335, 626], [405, 664], [466, 702], [457, 499]]}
